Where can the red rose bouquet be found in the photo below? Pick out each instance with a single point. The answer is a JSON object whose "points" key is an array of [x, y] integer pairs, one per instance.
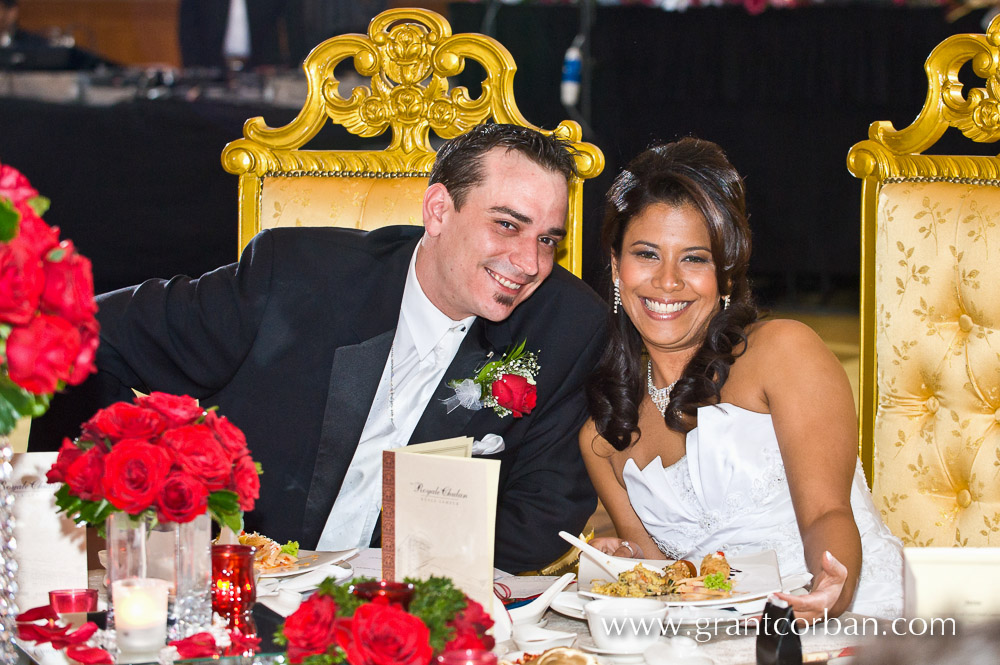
{"points": [[335, 626], [164, 453], [48, 333]]}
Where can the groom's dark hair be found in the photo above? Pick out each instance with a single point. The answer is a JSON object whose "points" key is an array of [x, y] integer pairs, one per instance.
{"points": [[459, 162]]}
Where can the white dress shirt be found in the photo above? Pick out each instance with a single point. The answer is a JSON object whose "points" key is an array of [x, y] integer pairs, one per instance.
{"points": [[425, 343]]}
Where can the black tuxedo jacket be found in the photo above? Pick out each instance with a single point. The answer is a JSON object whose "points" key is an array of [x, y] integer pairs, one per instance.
{"points": [[290, 343]]}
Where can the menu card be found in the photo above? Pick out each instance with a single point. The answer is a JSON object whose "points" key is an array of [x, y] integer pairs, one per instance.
{"points": [[439, 515], [51, 550]]}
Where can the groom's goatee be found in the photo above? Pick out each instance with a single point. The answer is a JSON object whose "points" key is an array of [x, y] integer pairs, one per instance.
{"points": [[503, 299]]}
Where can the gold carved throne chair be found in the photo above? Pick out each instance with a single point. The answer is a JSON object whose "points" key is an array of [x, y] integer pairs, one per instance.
{"points": [[930, 306], [408, 56]]}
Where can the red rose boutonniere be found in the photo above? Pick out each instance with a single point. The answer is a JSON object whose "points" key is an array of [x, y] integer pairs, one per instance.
{"points": [[506, 385]]}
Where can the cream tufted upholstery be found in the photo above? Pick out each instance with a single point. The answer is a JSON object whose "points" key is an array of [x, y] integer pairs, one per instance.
{"points": [[408, 55], [359, 203], [930, 308]]}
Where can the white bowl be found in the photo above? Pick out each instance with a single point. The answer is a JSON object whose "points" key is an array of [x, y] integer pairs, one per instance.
{"points": [[535, 639], [625, 625]]}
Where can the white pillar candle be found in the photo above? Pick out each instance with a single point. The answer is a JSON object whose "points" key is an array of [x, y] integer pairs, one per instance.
{"points": [[140, 611]]}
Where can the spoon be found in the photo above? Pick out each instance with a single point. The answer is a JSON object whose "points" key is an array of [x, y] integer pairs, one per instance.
{"points": [[608, 563], [533, 611]]}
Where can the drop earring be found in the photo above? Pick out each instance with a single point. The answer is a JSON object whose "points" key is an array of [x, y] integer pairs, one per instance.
{"points": [[618, 295], [725, 302]]}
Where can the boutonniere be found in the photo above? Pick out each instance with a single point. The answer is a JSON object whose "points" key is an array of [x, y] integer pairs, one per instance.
{"points": [[506, 385]]}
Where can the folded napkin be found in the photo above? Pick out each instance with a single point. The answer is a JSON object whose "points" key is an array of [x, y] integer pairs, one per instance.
{"points": [[281, 602], [283, 595], [304, 581]]}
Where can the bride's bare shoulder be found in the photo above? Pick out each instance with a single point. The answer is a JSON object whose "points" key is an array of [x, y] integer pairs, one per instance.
{"points": [[591, 442], [782, 336]]}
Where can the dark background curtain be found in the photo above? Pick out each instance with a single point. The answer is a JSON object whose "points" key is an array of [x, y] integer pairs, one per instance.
{"points": [[139, 185]]}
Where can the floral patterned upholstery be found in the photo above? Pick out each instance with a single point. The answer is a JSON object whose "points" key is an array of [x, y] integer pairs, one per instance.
{"points": [[929, 394], [409, 56], [937, 424]]}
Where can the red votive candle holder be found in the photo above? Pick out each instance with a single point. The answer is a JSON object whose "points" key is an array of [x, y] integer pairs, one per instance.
{"points": [[72, 601], [466, 657], [398, 593], [233, 589], [72, 605]]}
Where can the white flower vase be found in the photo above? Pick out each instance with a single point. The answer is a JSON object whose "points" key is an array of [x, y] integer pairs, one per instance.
{"points": [[180, 553]]}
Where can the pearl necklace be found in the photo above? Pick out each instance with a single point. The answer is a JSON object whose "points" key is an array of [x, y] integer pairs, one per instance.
{"points": [[660, 396]]}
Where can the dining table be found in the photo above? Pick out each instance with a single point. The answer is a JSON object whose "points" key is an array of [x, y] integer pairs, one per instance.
{"points": [[722, 641]]}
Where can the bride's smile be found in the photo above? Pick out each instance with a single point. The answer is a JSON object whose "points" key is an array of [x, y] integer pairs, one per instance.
{"points": [[667, 276]]}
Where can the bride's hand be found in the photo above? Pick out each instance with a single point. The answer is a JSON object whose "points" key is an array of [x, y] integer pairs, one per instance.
{"points": [[618, 547], [816, 604]]}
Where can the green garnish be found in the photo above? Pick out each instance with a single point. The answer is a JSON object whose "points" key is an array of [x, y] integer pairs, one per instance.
{"points": [[291, 547], [718, 581]]}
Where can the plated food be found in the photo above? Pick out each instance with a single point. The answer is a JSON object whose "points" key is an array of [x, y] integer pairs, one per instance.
{"points": [[268, 555], [679, 579], [554, 656]]}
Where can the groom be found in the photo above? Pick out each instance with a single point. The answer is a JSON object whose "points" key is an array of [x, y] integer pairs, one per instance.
{"points": [[328, 346]]}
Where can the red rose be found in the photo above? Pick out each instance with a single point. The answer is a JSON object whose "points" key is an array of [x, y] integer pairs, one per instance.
{"points": [[33, 234], [310, 629], [122, 420], [41, 354], [197, 452], [199, 645], [386, 635], [247, 482], [22, 280], [513, 392], [177, 409], [228, 434], [68, 454], [470, 627], [85, 474], [84, 366], [69, 284], [14, 185], [182, 498], [134, 472]]}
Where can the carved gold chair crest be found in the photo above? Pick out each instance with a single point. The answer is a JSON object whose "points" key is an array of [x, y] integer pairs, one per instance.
{"points": [[408, 54], [930, 354]]}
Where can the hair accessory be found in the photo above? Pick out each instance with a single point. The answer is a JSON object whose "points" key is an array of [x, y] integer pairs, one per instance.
{"points": [[660, 396], [725, 301], [618, 295]]}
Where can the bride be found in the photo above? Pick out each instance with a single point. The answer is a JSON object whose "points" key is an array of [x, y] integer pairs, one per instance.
{"points": [[709, 429]]}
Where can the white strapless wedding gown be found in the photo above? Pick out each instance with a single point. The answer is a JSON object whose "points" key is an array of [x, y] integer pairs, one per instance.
{"points": [[729, 493]]}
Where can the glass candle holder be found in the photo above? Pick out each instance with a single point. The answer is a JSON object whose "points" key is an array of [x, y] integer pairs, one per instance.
{"points": [[398, 593], [466, 657], [233, 589], [72, 605], [140, 611]]}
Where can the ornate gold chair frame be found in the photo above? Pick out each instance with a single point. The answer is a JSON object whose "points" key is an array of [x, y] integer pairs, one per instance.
{"points": [[408, 55], [930, 374]]}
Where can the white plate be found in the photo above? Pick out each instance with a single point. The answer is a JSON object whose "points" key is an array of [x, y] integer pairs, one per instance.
{"points": [[621, 656], [758, 577], [570, 604], [308, 560]]}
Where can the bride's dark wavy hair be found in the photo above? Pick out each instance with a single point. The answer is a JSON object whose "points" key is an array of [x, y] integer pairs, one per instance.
{"points": [[686, 172]]}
